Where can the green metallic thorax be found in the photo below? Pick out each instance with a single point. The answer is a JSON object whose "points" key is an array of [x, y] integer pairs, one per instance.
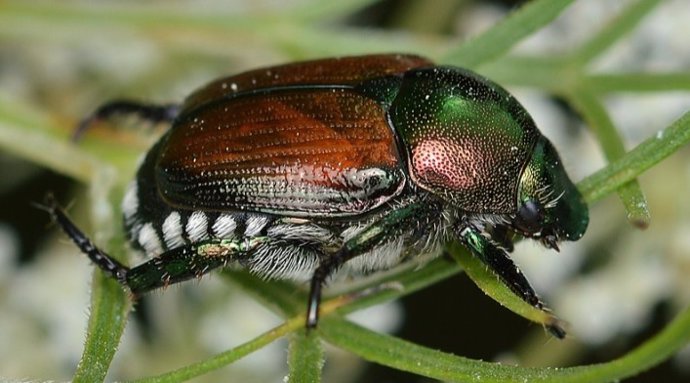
{"points": [[466, 140]]}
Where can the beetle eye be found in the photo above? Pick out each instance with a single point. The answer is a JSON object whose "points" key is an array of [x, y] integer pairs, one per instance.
{"points": [[529, 217]]}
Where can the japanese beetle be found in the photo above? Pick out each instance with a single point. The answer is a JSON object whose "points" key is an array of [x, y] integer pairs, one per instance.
{"points": [[349, 165]]}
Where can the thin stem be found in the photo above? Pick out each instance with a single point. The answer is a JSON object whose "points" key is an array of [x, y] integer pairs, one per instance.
{"points": [[621, 25], [638, 82], [600, 123], [503, 36], [652, 151], [227, 357]]}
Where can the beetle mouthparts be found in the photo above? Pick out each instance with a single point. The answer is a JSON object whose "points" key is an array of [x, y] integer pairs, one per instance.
{"points": [[550, 242]]}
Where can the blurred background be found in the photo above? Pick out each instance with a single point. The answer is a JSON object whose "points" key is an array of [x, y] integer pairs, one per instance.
{"points": [[615, 287]]}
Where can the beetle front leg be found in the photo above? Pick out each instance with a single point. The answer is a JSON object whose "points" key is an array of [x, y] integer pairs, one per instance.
{"points": [[150, 112], [498, 260]]}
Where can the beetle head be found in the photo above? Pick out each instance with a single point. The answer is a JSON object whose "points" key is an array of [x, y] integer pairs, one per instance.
{"points": [[550, 208]]}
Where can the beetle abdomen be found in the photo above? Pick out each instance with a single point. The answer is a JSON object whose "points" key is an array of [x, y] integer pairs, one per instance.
{"points": [[288, 248]]}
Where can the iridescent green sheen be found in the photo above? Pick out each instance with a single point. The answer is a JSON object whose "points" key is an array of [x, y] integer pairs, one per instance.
{"points": [[546, 178], [471, 143], [466, 138]]}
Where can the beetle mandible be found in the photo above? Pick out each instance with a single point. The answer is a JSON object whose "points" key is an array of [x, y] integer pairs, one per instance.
{"points": [[340, 165]]}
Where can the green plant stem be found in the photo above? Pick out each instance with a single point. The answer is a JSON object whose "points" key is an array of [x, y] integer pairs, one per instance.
{"points": [[286, 299], [403, 282], [318, 10], [621, 25], [598, 119], [107, 320], [282, 297], [652, 352], [638, 82], [305, 357], [227, 357], [550, 74], [559, 76], [210, 32], [488, 282], [109, 305], [503, 36], [407, 356], [635, 162], [24, 133]]}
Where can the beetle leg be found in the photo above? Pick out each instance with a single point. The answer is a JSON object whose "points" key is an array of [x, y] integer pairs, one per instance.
{"points": [[391, 225], [187, 262], [502, 237], [104, 261], [151, 112], [501, 264], [173, 266]]}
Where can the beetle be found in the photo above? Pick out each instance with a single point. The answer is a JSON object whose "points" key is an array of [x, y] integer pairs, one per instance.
{"points": [[339, 166]]}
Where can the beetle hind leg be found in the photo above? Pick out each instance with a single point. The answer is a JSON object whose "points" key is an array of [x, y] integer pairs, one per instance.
{"points": [[150, 112], [104, 261], [176, 265]]}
